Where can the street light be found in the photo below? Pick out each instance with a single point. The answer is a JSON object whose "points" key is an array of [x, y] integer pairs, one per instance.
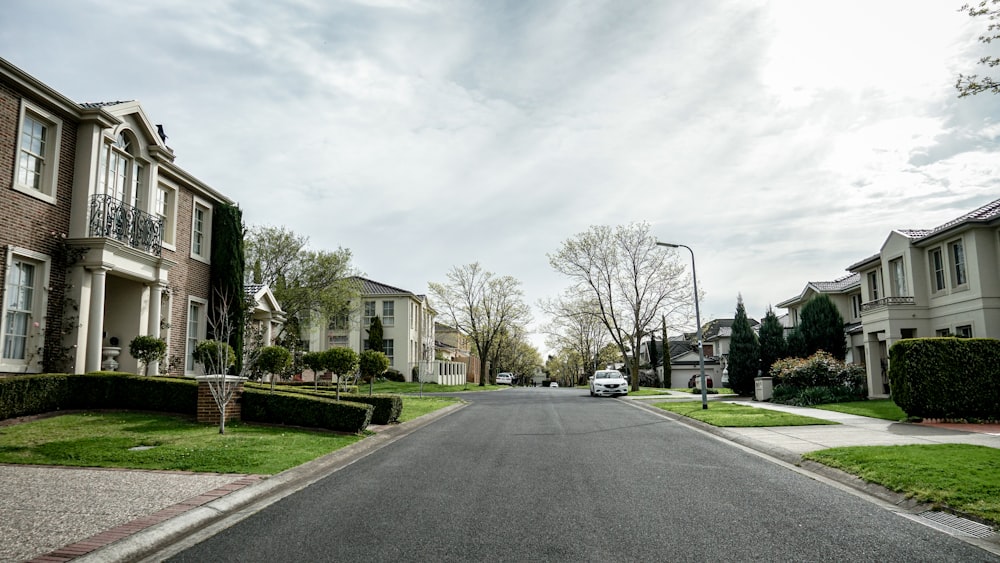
{"points": [[697, 319]]}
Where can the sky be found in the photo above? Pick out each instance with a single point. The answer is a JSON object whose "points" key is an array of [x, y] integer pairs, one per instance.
{"points": [[781, 140]]}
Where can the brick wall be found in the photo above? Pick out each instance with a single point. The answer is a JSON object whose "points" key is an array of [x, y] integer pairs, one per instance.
{"points": [[208, 410]]}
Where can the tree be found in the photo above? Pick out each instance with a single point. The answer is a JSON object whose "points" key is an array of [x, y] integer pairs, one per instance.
{"points": [[822, 327], [970, 85], [372, 364], [148, 350], [481, 304], [308, 284], [795, 344], [666, 356], [375, 335], [574, 325], [342, 362], [772, 341], [630, 279], [314, 361], [744, 353], [274, 360]]}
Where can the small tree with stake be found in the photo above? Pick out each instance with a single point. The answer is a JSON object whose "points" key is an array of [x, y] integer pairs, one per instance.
{"points": [[148, 350], [274, 360], [372, 365], [341, 362]]}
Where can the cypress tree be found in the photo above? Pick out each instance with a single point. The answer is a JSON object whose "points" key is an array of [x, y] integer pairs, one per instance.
{"points": [[375, 341], [772, 341], [227, 271], [744, 353], [822, 327]]}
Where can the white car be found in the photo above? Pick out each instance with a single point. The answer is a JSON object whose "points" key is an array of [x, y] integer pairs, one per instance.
{"points": [[608, 382], [553, 384], [505, 378]]}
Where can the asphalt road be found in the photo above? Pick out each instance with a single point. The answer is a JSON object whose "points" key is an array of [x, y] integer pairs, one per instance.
{"points": [[555, 475]]}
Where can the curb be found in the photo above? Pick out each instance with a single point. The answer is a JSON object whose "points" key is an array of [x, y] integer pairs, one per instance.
{"points": [[246, 501]]}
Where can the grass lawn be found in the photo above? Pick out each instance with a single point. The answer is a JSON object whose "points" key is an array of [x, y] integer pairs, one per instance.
{"points": [[738, 416], [877, 408], [415, 407], [959, 476], [105, 440]]}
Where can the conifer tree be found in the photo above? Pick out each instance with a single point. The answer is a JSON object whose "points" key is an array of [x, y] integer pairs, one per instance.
{"points": [[744, 353], [375, 341], [772, 341], [822, 327]]}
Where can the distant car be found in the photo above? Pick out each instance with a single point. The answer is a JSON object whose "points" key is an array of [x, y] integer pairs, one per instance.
{"points": [[505, 378], [608, 383], [553, 384]]}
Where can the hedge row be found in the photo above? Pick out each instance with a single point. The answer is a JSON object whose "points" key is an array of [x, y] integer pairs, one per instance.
{"points": [[955, 378], [387, 407], [36, 394]]}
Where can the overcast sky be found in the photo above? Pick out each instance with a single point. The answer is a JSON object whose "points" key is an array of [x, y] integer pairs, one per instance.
{"points": [[781, 140]]}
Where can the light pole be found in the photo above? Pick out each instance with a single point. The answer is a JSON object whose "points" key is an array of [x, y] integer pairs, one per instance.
{"points": [[697, 319]]}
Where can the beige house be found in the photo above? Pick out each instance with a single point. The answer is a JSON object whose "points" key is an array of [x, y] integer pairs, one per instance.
{"points": [[943, 281], [845, 294]]}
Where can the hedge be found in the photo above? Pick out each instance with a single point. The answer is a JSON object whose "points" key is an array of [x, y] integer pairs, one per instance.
{"points": [[304, 410], [952, 378], [387, 407]]}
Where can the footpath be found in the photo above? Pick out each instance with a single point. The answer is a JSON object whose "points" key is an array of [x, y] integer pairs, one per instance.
{"points": [[56, 514]]}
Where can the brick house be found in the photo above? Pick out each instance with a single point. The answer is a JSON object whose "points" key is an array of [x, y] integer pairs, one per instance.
{"points": [[103, 237]]}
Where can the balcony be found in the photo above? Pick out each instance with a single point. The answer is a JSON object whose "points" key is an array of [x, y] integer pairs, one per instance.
{"points": [[887, 302], [112, 218]]}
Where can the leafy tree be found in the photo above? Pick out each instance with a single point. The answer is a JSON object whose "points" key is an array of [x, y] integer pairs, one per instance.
{"points": [[629, 278], [822, 327], [482, 305], [372, 365], [970, 85], [744, 353], [375, 335], [274, 360], [148, 350], [772, 341], [314, 361], [342, 362], [309, 284], [215, 356]]}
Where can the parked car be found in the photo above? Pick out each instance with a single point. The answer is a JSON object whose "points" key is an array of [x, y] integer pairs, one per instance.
{"points": [[608, 382], [695, 381], [505, 378], [553, 384]]}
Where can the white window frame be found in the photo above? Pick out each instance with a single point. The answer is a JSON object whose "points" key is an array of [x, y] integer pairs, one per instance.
{"points": [[167, 210], [389, 347], [388, 313], [958, 264], [936, 262], [205, 252], [856, 301], [200, 328], [897, 277], [367, 318], [32, 362], [46, 191], [873, 290], [963, 331]]}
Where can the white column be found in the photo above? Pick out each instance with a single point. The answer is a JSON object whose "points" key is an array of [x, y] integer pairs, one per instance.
{"points": [[153, 326], [95, 325]]}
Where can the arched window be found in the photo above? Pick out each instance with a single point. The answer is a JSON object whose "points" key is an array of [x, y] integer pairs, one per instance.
{"points": [[120, 175]]}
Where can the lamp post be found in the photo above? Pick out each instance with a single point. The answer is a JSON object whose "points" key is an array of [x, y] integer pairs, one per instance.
{"points": [[697, 319]]}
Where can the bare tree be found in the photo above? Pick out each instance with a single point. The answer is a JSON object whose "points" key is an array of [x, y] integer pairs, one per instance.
{"points": [[630, 279], [574, 324], [972, 84], [481, 305]]}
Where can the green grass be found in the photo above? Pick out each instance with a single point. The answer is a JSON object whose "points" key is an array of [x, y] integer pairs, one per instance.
{"points": [[877, 408], [105, 439], [957, 476], [738, 416], [415, 407], [407, 387]]}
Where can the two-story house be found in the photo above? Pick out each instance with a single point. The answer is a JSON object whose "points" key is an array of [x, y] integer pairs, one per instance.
{"points": [[407, 326], [845, 294], [943, 281], [103, 236]]}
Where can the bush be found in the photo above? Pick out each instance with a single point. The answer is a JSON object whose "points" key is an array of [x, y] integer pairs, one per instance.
{"points": [[296, 409], [393, 375], [818, 379], [387, 407], [955, 378], [147, 349], [214, 356]]}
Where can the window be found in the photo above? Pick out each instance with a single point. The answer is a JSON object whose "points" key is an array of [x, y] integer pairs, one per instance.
{"points": [[388, 313], [897, 276], [201, 229], [387, 347], [339, 341], [964, 331], [369, 314], [196, 324], [937, 270], [24, 304], [856, 306], [942, 332], [907, 333], [37, 153], [339, 322], [873, 285], [958, 263], [165, 207], [119, 175]]}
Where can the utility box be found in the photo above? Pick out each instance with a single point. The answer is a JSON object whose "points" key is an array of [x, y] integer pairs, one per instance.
{"points": [[763, 388]]}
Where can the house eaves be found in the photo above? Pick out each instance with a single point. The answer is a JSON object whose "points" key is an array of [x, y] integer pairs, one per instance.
{"points": [[986, 215]]}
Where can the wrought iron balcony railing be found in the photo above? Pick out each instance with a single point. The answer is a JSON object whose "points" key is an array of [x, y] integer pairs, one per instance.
{"points": [[113, 218], [887, 302]]}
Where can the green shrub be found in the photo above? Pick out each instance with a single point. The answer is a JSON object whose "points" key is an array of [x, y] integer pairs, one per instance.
{"points": [[147, 349], [946, 377], [216, 357], [818, 379], [394, 375], [295, 409], [387, 407]]}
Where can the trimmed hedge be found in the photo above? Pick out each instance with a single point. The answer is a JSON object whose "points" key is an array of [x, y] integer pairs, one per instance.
{"points": [[296, 409], [387, 407], [954, 378], [36, 394]]}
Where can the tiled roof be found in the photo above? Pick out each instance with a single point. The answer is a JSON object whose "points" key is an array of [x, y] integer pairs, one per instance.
{"points": [[839, 284], [251, 289], [913, 233], [370, 287], [95, 105], [984, 214]]}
